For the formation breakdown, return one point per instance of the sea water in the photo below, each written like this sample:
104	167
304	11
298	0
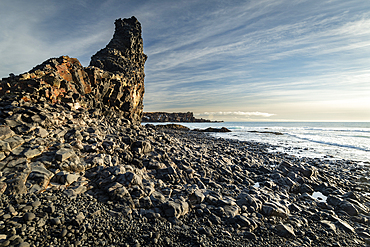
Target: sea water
332	140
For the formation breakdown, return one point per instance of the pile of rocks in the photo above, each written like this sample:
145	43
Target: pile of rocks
73	177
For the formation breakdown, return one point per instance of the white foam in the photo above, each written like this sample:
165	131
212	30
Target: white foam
319	196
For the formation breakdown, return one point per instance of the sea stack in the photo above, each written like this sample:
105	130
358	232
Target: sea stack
114	81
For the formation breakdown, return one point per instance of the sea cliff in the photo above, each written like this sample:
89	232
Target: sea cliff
173	117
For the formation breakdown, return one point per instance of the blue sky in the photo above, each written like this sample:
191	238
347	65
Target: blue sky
257	60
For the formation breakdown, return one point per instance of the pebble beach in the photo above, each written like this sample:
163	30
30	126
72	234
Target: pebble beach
76	177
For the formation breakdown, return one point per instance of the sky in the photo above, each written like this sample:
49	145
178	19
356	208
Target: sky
251	60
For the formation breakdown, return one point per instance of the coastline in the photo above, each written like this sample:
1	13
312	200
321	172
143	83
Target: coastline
325	140
146	187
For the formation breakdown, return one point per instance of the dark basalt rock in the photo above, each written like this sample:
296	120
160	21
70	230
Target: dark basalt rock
114	81
172	126
210	129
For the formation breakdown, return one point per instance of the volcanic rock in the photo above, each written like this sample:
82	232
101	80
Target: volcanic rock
114	81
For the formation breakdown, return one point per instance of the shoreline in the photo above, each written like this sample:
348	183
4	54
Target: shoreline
104	182
322	140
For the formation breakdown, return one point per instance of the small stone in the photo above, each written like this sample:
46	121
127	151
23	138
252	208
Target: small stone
284	230
205	231
29	216
4	146
32	152
6	216
79	219
242	221
41	222
196	197
50	209
2	156
14	142
275	209
36	204
55	221
63	233
41	132
70	178
3	186
334	200
27	208
24	244
349	208
231	211
345	226
250	235
5	132
329	225
64	154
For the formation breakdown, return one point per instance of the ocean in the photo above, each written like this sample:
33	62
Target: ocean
329	140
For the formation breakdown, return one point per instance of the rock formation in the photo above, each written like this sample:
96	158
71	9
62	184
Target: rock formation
172	117
114	81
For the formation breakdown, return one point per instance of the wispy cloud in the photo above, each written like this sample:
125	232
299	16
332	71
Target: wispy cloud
210	56
237	113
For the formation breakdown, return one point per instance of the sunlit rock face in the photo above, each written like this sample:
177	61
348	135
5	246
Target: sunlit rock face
124	59
114	81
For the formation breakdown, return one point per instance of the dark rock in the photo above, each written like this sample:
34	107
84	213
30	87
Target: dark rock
329	225
29	216
334	200
250	235
50	209
275	209
55	221
344	225
196	197
175	208
349	208
305	188
284	230
210	129
172	126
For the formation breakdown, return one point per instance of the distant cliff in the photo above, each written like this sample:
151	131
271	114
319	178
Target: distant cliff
172	117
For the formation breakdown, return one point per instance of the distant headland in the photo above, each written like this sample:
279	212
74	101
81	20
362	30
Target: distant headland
174	117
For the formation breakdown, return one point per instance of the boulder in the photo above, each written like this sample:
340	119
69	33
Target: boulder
175	208
196	197
275	209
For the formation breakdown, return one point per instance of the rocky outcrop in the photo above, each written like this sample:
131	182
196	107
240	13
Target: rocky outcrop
172	117
210	129
114	81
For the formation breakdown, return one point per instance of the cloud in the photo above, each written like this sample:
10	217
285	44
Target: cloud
208	55
237	113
